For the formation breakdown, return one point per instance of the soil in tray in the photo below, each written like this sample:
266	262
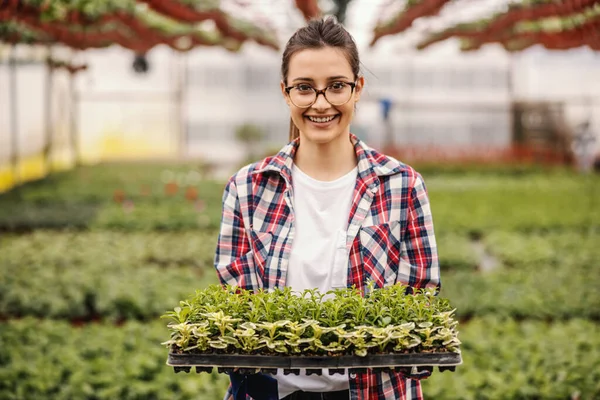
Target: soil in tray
214	352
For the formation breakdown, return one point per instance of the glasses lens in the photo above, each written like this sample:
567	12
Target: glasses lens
338	93
303	96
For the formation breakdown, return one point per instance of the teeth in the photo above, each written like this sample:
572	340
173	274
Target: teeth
315	119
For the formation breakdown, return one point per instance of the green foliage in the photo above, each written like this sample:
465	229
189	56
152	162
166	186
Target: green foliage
131	250
42	359
488	170
475	203
505	359
537	292
542	227
249	134
232	320
557	249
478	204
85	199
455	252
171	215
22	216
95	184
102	274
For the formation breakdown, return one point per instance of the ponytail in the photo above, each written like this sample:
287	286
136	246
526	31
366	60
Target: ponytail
294	131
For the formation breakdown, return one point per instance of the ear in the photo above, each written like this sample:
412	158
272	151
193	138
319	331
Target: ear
360	83
285	95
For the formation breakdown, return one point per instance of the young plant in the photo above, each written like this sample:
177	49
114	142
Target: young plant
248	338
293	335
404	337
273	333
342	321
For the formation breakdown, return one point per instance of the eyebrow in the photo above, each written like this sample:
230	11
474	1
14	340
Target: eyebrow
331	78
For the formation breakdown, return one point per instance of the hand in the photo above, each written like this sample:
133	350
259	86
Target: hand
414	373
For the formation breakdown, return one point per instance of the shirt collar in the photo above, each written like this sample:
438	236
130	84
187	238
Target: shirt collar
371	163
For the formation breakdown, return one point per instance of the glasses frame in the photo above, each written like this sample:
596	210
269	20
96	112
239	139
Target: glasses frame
321	91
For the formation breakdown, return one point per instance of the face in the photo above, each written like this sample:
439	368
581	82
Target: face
321	68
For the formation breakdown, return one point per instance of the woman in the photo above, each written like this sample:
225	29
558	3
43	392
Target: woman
327	211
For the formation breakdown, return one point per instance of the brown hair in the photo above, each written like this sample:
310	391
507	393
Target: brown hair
319	33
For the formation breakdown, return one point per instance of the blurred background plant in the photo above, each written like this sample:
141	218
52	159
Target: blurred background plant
252	137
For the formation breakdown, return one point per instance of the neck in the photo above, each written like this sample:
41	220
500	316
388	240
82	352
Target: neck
328	161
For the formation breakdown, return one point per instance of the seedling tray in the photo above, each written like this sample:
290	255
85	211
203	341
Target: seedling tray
247	364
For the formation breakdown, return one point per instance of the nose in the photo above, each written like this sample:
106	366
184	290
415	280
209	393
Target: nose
321	103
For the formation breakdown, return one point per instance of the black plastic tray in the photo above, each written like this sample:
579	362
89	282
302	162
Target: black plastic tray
415	362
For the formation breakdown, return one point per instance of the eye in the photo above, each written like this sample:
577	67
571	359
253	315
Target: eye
338	85
303	88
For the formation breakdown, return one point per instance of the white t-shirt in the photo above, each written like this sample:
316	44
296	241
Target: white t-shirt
319	258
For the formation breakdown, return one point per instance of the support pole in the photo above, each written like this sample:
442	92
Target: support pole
180	109
512	106
48	114
74	122
14	116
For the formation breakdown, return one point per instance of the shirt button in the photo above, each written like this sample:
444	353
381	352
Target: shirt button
353	375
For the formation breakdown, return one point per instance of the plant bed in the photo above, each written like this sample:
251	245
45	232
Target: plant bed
392	327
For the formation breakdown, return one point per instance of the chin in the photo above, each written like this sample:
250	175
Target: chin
322	137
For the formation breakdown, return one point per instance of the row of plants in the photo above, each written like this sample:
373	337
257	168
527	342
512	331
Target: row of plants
502	359
530	203
168	216
98	183
129	216
101	291
186	248
464	168
455	252
538	292
45	359
170	198
519	250
506	359
233	320
137	197
50	249
196	249
90	275
139	275
96	290
514	249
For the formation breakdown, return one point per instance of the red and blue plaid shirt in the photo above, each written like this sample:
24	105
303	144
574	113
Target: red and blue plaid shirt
390	238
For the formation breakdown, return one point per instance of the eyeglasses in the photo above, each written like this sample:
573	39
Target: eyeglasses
336	94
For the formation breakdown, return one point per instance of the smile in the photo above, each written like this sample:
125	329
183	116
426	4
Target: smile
321	119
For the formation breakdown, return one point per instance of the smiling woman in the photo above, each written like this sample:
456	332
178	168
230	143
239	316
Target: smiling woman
326	212
321	85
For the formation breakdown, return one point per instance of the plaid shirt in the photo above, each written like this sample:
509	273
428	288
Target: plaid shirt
390	238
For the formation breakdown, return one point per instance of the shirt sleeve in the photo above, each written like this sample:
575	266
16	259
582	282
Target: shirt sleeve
234	259
418	258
